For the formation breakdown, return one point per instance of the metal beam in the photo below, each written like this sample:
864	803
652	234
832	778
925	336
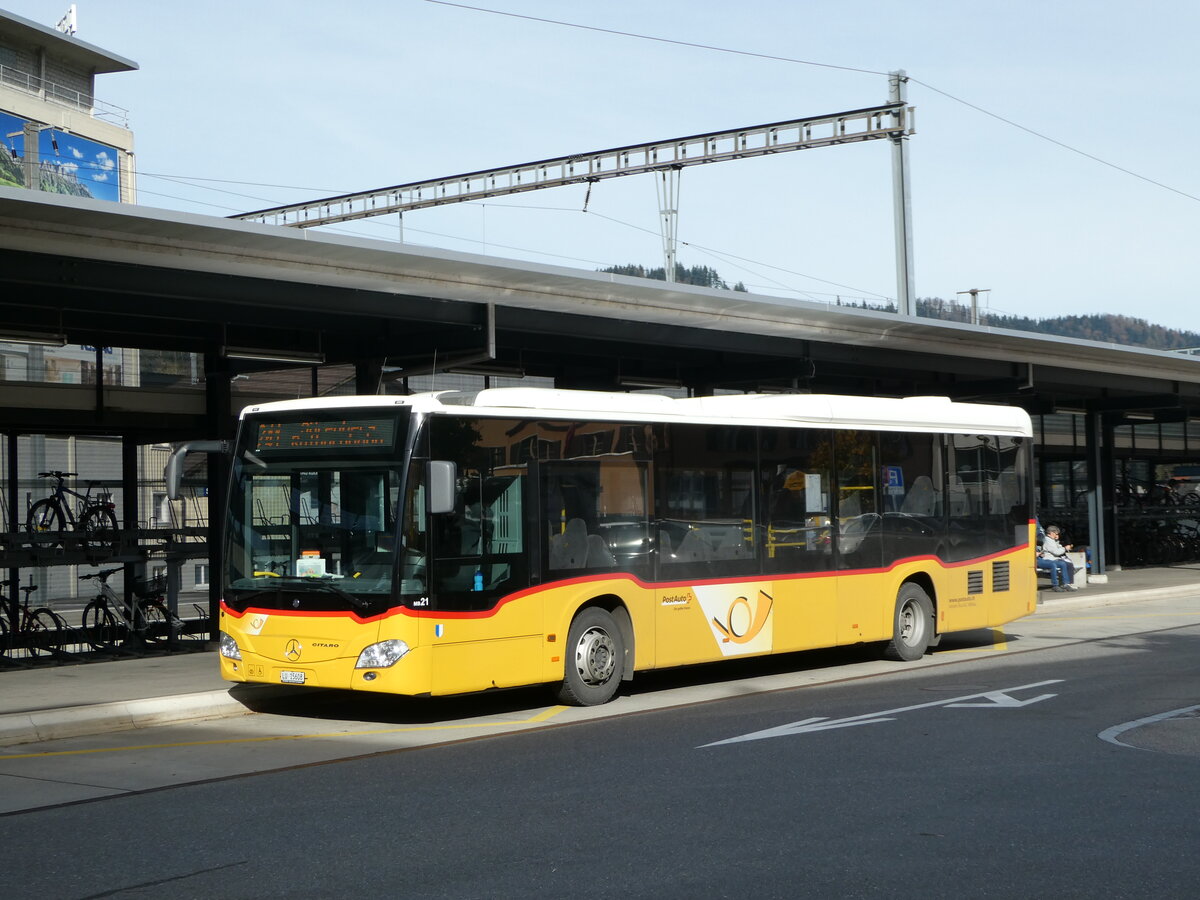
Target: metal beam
891	120
1146	402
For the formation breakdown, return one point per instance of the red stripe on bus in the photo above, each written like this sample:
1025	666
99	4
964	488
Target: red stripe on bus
609	577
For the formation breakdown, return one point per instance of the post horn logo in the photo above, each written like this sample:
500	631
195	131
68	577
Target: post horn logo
743	622
292	650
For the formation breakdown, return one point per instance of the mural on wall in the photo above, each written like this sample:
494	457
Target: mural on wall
67	163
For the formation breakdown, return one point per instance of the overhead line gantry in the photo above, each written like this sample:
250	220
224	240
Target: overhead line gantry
893	120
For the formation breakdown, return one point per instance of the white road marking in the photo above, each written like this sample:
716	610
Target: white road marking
1111	734
1000	699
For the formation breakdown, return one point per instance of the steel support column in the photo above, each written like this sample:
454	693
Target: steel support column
220	426
1098	450
129	503
368	376
902	203
14	493
667	185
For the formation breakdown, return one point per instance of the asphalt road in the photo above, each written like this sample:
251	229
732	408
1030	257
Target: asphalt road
1043	773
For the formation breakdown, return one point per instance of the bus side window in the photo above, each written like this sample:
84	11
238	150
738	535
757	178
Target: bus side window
594	513
479	546
706	504
797	480
859	525
911	477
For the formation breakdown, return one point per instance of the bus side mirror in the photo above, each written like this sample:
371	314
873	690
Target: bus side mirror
173	473
442	475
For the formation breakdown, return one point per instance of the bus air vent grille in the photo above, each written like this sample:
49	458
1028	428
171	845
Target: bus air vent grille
1000	575
975	582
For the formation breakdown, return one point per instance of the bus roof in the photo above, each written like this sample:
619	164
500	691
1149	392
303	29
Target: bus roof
928	414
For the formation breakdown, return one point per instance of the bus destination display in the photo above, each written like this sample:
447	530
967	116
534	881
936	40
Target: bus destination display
343	434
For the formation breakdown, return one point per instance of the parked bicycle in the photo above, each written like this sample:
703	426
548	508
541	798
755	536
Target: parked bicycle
110	619
94	517
40	630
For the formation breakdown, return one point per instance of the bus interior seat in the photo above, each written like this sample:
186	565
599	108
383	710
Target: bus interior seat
694	547
569	550
665	549
919	501
598	554
960	501
734	546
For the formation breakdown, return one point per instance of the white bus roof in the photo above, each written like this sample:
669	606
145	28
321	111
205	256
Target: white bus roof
928	414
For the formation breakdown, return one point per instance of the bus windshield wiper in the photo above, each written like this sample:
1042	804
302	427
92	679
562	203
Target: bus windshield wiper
245	596
282	584
356	602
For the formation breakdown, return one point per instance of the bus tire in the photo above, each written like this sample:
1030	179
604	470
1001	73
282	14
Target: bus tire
912	624
595	657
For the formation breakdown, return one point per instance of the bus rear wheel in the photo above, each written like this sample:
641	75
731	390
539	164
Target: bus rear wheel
912	629
595	659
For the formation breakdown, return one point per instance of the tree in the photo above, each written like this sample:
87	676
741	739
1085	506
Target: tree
702	276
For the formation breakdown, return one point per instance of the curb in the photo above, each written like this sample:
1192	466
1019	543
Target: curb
125	715
1117	599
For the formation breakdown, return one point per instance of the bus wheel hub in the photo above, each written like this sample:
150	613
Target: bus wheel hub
595	656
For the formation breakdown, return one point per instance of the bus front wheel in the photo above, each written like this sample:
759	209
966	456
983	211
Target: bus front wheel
595	658
912	625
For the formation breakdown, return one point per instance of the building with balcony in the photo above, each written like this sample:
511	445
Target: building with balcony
55	135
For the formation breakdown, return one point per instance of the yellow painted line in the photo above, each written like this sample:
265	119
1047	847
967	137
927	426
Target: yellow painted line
543	716
999	642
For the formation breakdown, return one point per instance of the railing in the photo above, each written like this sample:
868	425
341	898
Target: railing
55	93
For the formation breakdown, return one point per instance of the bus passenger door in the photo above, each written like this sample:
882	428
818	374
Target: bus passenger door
481	635
863	610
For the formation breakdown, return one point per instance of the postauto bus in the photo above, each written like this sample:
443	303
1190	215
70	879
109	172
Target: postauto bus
460	541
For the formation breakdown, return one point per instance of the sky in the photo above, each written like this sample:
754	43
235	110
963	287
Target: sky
1054	164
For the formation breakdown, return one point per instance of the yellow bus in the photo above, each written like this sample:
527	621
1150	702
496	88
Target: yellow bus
456	541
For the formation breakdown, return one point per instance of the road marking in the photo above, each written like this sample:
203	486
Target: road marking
543	716
1111	734
999	699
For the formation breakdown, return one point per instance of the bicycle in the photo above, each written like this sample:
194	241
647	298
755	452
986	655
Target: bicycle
109	618
93	517
40	630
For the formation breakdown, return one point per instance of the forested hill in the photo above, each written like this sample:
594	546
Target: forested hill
698	275
1123	330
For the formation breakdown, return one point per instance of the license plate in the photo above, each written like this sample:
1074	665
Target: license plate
291	677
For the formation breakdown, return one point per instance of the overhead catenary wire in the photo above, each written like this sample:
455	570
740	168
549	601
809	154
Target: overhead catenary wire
808	62
662	40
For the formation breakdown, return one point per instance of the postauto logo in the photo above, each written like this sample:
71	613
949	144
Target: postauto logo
739	616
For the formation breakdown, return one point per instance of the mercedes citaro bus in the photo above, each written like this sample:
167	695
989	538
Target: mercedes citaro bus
460	541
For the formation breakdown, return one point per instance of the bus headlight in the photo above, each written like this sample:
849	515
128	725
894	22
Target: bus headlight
229	647
381	655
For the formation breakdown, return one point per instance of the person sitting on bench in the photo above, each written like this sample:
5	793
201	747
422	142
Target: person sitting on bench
1053	557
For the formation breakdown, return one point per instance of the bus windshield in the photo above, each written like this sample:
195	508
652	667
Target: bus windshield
313	507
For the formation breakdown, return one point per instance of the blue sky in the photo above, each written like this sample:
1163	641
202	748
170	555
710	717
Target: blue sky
243	105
